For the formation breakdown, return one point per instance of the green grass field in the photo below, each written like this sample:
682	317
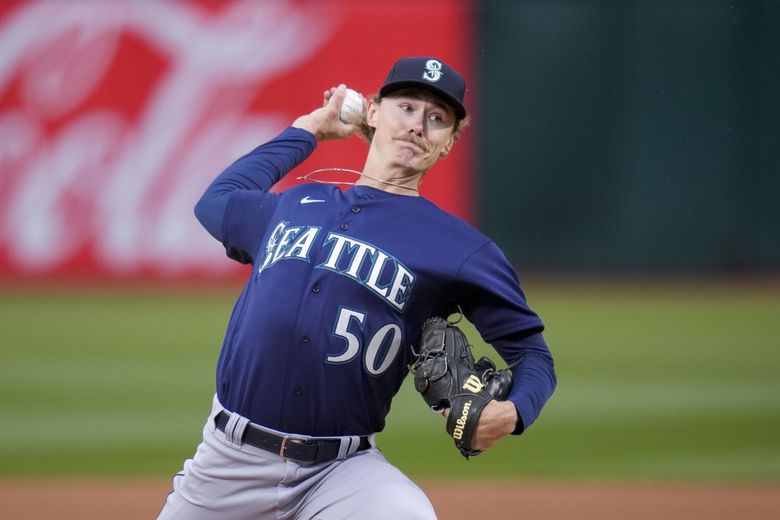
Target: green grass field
674	381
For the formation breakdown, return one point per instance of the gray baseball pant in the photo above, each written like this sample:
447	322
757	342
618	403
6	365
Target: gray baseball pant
230	480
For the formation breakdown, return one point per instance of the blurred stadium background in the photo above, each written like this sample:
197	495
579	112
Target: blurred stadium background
624	154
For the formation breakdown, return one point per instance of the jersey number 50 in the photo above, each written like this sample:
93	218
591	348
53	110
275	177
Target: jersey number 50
376	359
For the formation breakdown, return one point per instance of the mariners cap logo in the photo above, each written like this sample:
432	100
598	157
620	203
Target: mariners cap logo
432	70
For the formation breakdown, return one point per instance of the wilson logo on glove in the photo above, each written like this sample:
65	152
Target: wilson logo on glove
457	434
473	384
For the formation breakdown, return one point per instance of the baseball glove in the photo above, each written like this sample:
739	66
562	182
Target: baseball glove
447	376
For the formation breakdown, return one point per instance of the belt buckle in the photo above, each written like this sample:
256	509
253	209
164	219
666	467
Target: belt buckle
283	447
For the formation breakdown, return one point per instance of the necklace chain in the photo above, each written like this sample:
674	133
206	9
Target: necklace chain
308	177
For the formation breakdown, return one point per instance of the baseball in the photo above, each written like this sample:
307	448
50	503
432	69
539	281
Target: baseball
352	108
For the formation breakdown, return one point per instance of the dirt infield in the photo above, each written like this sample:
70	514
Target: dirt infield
124	500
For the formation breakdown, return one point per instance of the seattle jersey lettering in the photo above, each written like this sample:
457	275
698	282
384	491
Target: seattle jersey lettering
382	274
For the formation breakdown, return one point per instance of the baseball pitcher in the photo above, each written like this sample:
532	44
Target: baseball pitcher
348	290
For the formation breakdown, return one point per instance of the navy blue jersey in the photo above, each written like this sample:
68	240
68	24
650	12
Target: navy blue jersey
322	335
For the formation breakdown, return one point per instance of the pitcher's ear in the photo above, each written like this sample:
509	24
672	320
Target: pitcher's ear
371	113
448	147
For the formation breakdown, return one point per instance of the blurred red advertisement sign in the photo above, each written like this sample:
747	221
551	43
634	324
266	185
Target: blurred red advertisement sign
115	116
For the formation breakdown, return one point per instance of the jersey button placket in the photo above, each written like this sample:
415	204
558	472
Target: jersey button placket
354	210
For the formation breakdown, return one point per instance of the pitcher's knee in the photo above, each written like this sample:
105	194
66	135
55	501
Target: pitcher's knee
396	502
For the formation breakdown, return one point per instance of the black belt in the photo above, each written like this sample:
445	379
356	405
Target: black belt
290	446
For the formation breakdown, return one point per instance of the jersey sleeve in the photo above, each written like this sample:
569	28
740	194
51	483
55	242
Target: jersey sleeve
236	207
490	296
488	291
533	374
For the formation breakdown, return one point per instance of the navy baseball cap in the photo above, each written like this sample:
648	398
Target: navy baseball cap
430	74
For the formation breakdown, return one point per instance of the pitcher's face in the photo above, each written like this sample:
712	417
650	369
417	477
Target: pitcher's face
413	129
